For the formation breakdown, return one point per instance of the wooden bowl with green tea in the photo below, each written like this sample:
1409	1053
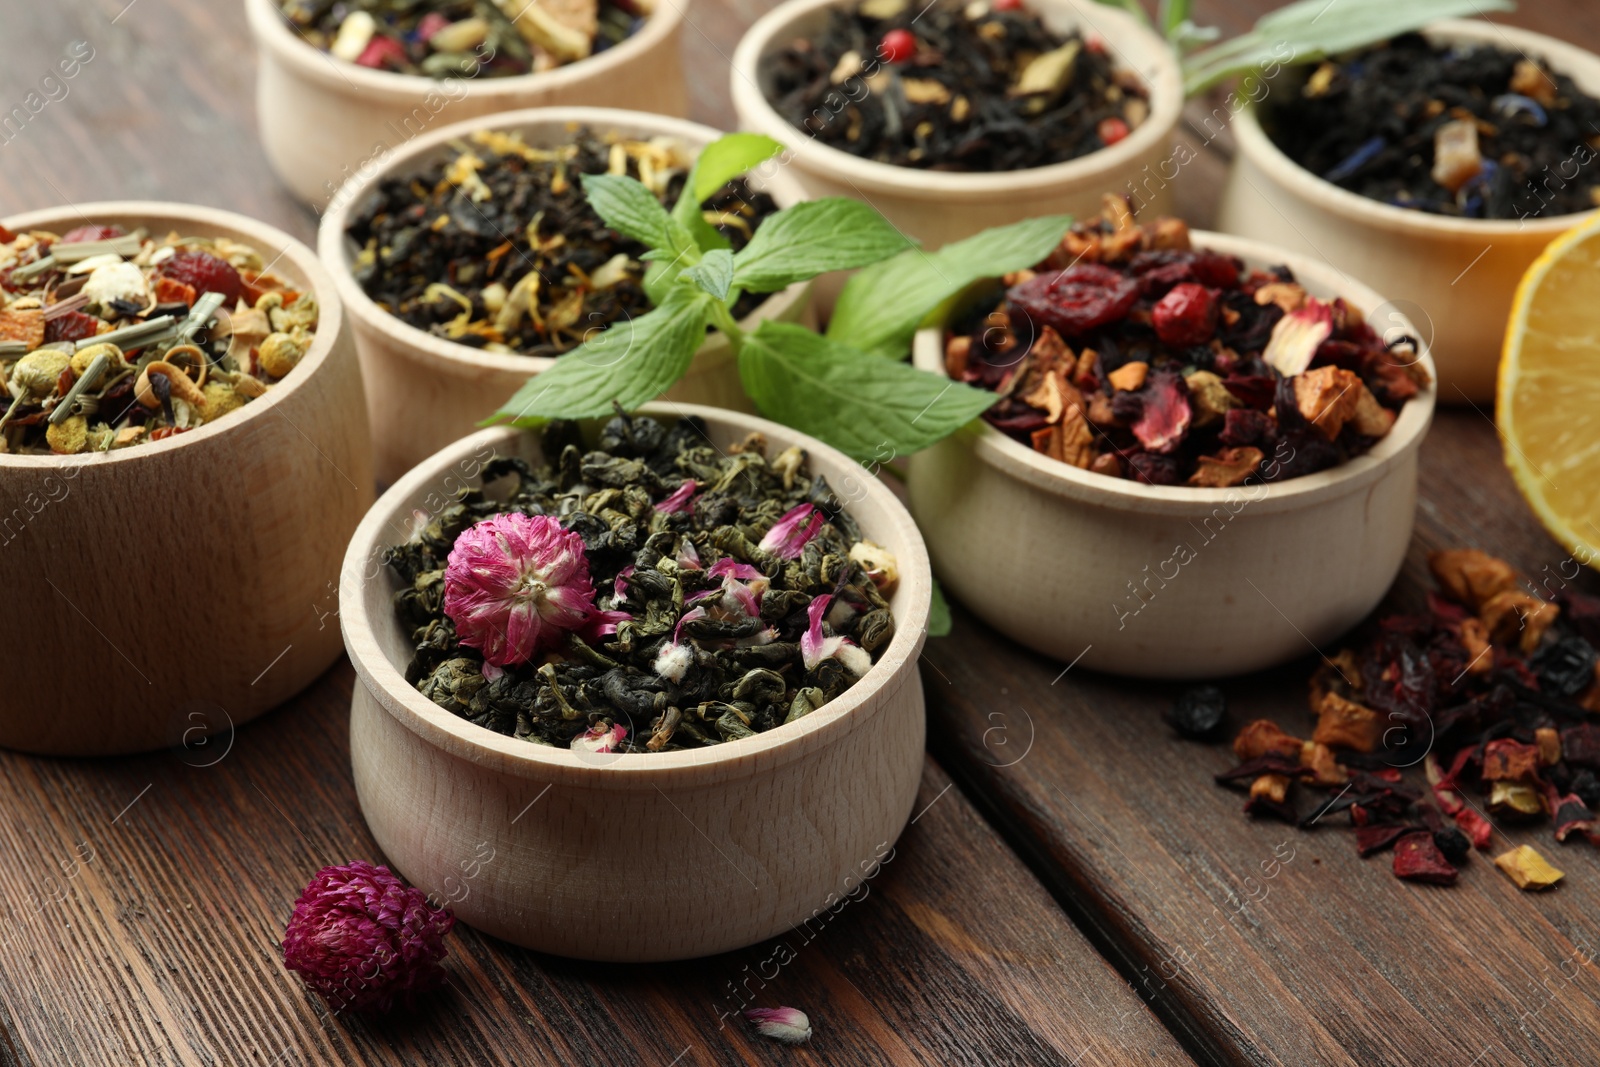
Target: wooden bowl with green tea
175	582
590	845
427	388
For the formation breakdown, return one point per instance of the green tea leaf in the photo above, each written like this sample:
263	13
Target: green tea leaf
882	306
626	206
1307	30
632	362
812	238
939	622
865	407
714	273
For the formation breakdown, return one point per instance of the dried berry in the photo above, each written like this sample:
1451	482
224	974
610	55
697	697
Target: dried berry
1453	843
206	272
1198	712
1566	667
1112	130
1187	315
897	46
1076	300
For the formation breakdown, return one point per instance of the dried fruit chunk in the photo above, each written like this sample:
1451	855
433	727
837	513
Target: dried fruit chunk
1327	398
1528	869
1509	760
1418	859
25	324
1263	736
1187	315
1077	299
1343	723
1296	338
1469	576
1229	467
1515	615
206	272
1456	160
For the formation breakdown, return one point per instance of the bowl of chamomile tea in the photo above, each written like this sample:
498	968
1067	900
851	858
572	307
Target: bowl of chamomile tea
639	688
183	456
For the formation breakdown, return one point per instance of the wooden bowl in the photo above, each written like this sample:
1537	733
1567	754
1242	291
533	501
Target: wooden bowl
162	592
1454	278
1168	581
648	856
423	391
324	121
937	207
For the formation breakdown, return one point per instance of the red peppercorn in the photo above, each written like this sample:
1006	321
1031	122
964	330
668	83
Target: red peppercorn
1112	130
1094	44
897	46
1007	5
1187	315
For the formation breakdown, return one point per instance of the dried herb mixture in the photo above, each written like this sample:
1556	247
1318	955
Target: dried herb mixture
1474	132
1129	353
982	86
1492	689
465	38
652	593
498	248
110	339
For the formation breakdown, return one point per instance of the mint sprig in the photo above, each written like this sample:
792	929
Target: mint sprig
838	388
1301	32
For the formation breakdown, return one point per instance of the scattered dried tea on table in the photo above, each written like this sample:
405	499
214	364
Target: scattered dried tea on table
1491	690
1472	131
1198	712
954	86
465	38
110	339
1129	353
497	247
653	593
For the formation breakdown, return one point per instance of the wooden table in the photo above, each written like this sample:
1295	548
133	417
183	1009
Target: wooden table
1074	889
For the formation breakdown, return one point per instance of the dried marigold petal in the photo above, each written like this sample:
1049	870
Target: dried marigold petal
1527	868
1263	736
22	324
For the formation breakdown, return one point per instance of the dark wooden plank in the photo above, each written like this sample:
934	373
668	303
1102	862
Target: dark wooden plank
1279	946
146	897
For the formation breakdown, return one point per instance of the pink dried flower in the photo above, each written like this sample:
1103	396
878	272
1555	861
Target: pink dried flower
788	1025
682	498
1297	336
619	588
688	558
603	624
789	534
674	657
601	738
514	584
737	597
363	941
814	648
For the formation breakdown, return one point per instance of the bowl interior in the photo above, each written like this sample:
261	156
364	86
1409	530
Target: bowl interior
281	254
380	648
1320	280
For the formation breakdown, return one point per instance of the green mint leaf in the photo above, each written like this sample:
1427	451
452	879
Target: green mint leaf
863	406
939	622
882	306
626	206
632	362
714	273
812	238
719	163
1307	30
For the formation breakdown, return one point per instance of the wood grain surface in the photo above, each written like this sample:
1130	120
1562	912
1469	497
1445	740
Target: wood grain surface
142	900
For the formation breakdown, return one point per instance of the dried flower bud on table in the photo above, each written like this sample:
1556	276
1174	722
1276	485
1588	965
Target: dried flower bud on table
650	594
110	339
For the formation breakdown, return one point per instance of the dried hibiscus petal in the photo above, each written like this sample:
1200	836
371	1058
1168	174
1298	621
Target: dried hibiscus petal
1077	299
1371	840
1166	414
70	326
1418	859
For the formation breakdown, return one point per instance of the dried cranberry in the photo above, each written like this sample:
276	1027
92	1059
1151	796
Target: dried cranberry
1127	407
1216	270
1166	417
1246	426
80	234
1186	316
897	46
72	326
1077	299
1157	281
206	272
1152	469
1111	130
